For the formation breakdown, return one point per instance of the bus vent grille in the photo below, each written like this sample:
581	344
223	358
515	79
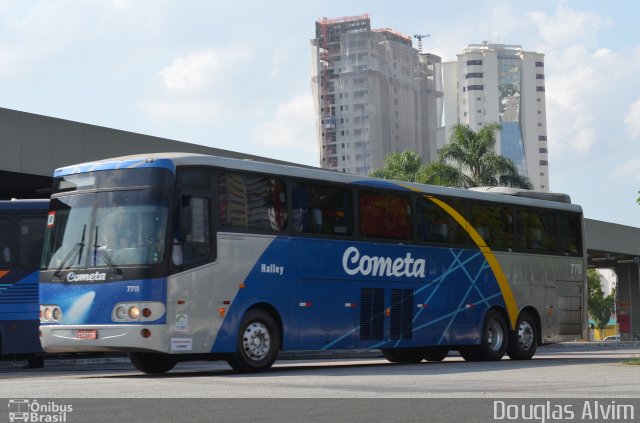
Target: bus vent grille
371	314
402	314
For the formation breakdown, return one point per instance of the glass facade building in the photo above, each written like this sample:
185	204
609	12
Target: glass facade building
509	88
498	83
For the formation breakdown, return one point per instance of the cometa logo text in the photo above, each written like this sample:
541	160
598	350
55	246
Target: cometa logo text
86	277
353	263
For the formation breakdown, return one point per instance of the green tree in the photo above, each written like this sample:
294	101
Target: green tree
600	306
405	166
470	160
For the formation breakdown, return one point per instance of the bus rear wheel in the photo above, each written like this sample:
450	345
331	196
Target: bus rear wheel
524	340
152	363
258	343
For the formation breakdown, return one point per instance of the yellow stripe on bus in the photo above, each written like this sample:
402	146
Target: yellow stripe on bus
3	273
505	288
503	283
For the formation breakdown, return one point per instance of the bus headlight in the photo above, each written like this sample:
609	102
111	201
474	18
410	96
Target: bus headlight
146	311
50	313
121	312
134	312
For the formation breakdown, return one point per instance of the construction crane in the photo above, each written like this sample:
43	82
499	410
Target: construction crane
419	37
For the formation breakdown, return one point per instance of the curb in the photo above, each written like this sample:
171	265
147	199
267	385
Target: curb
595	344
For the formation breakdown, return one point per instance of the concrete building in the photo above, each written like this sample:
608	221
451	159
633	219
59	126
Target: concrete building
503	84
374	94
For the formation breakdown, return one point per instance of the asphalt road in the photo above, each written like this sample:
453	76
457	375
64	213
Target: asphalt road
366	389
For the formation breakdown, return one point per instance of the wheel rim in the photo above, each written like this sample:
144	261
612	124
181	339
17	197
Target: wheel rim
256	341
495	335
525	335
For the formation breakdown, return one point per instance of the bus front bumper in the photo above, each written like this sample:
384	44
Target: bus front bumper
100	338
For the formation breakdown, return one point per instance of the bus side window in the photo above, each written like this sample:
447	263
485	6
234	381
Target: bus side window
570	235
30	239
435	225
248	201
537	230
385	215
322	209
5	242
192	239
494	224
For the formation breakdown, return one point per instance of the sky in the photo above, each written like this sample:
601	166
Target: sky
237	75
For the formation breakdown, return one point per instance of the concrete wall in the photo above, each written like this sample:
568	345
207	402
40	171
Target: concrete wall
37	145
611	237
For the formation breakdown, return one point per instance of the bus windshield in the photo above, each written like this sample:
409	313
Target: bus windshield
106	229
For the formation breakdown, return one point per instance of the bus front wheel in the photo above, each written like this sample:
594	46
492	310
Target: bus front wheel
258	343
524	340
152	363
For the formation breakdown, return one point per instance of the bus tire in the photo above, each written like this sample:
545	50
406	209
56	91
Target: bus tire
436	353
524	340
258	343
152	363
494	338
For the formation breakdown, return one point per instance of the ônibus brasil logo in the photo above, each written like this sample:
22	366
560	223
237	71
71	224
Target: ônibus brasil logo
353	263
24	410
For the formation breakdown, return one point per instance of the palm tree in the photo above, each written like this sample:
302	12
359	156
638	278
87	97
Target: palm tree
470	160
405	166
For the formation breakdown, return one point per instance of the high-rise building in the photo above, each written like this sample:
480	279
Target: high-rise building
374	94
503	84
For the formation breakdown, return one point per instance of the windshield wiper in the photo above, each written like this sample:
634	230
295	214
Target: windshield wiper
79	247
105	256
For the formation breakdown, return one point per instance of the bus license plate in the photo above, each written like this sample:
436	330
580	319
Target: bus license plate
87	334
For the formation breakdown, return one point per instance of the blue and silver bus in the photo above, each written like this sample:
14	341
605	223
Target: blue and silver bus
22	226
174	257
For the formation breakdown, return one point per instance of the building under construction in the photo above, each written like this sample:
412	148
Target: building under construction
374	94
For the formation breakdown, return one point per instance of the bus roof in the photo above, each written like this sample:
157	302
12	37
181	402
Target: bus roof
172	160
24	205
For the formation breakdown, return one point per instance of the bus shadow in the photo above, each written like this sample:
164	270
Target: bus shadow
451	365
